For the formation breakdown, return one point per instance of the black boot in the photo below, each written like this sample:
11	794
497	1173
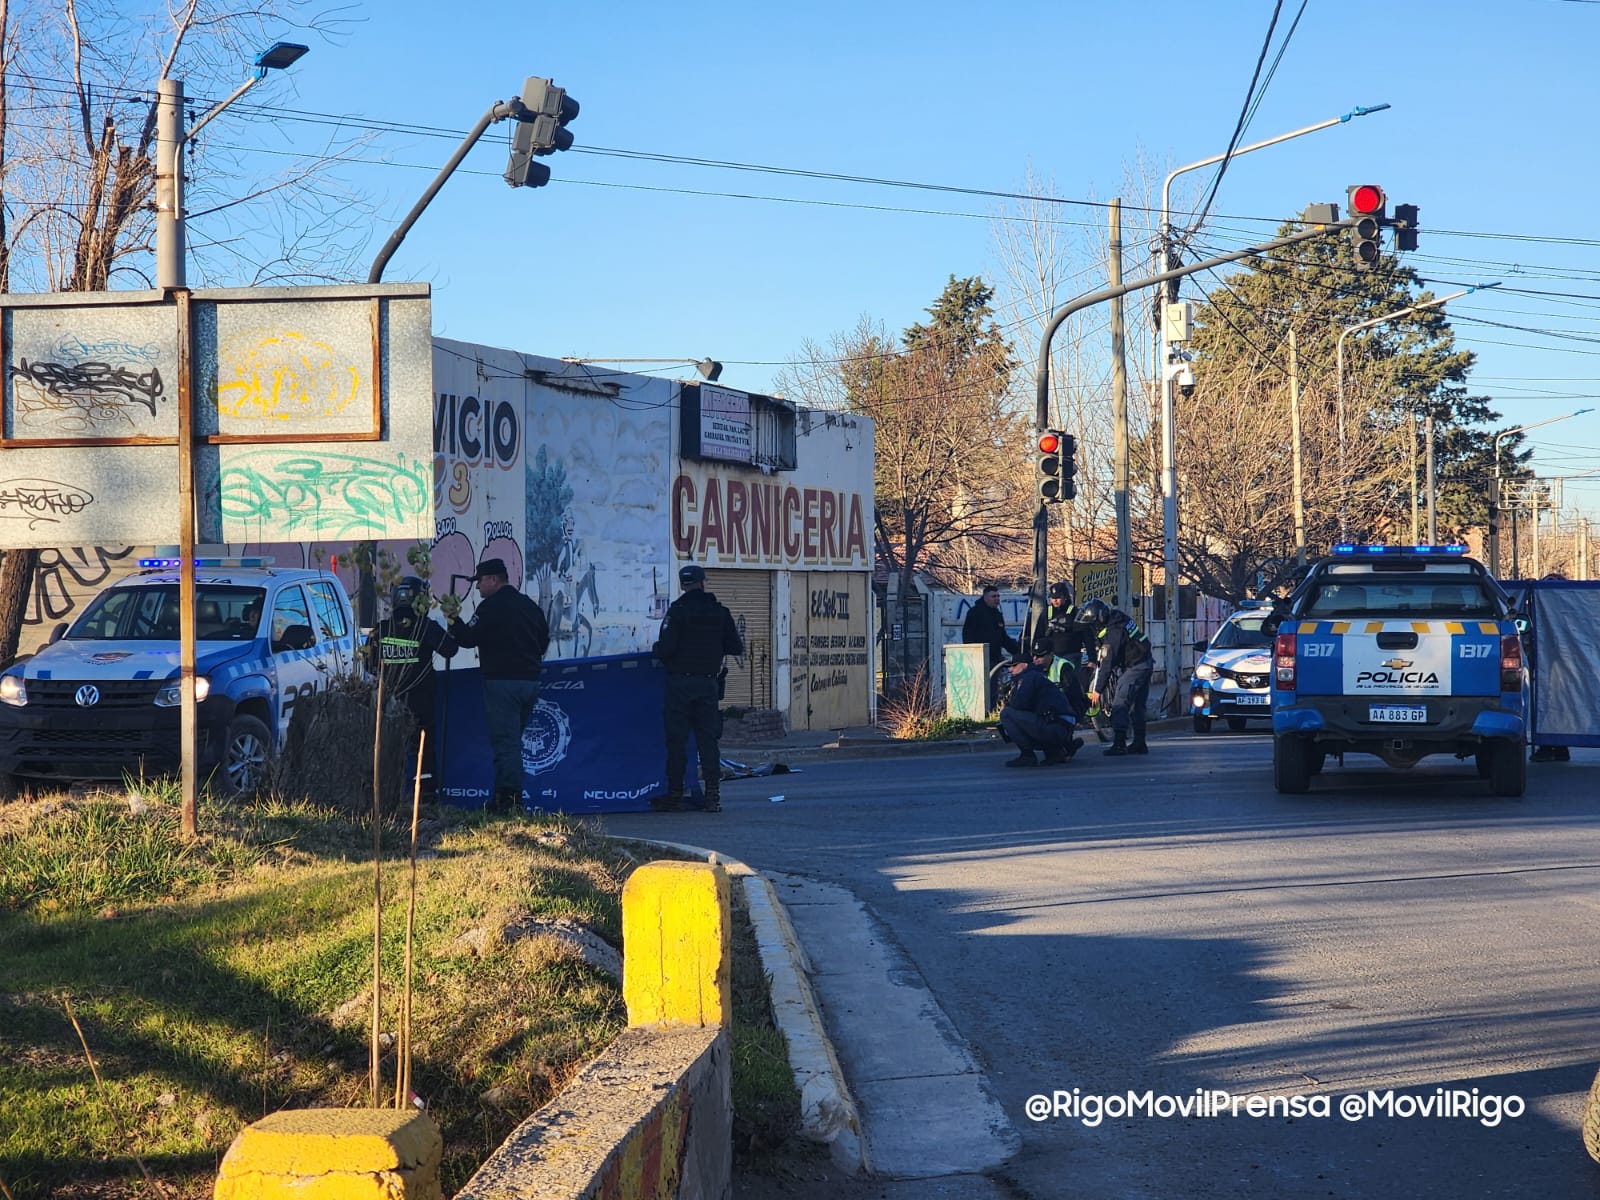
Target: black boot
668	801
1024	758
1119	745
713	798
505	800
1137	746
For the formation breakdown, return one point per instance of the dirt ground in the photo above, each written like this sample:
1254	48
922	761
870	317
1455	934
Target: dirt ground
799	1170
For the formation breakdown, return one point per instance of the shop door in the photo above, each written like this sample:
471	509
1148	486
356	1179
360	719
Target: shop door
748	596
829	624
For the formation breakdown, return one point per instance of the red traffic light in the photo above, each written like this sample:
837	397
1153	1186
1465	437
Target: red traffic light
1049	443
1366	199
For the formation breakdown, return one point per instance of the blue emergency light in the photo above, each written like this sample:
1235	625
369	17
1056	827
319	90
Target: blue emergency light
159	564
1352	548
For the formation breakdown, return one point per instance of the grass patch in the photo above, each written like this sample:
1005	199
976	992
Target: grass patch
220	980
766	1104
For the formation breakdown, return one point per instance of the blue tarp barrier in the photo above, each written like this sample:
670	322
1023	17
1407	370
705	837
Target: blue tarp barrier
595	743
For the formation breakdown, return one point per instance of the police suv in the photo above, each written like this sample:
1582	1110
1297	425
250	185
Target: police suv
1400	652
102	698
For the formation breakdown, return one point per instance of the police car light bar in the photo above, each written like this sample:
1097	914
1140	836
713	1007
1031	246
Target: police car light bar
1352	548
157	564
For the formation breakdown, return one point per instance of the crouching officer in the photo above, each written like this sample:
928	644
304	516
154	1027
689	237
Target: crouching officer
1126	664
1037	716
1068	643
695	635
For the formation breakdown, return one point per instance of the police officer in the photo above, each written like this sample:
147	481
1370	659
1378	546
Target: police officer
511	634
406	640
1124	653
695	635
1037	716
1067	644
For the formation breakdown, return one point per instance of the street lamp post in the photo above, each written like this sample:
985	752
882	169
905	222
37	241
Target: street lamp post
1339	376
172	252
709	368
171	236
1494	498
1169	454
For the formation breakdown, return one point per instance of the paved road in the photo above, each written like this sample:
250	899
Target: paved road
1170	924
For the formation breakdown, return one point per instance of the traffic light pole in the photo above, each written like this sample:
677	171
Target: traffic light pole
1041	525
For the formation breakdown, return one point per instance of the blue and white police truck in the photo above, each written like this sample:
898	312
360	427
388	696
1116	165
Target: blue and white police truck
1399	652
101	699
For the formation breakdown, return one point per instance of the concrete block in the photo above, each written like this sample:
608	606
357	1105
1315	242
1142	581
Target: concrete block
334	1154
677	951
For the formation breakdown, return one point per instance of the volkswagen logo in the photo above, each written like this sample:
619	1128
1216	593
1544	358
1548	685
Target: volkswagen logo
87	696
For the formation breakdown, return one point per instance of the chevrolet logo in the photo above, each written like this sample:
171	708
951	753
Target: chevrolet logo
1398	664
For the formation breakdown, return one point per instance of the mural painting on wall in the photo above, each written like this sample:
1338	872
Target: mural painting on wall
65	580
562	577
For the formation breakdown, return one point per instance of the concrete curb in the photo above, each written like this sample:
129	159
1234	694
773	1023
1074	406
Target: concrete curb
827	1110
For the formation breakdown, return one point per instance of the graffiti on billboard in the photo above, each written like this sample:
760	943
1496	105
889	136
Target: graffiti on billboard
283	375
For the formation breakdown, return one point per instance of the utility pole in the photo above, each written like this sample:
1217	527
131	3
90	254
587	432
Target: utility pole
1411	430
1535	499
1119	419
1427	434
1294	442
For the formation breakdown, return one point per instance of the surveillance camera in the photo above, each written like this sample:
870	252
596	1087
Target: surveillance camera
1185	379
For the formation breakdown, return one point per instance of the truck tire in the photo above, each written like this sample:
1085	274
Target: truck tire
1237	724
1202	724
1591	1121
245	758
1508	769
1291	765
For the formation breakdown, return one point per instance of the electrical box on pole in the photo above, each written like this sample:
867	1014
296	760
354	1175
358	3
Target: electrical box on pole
1179	321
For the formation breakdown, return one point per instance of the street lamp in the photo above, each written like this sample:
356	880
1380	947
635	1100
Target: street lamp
1494	498
710	369
1339	375
172	243
1169	440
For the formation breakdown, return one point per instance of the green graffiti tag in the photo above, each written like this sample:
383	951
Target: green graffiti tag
968	693
326	495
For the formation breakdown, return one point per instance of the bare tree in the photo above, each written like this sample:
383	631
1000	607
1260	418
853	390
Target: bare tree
77	169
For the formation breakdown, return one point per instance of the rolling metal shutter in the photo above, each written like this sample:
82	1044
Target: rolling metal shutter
748	595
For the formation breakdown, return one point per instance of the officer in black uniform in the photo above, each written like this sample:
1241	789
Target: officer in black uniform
1124	653
1068	645
695	635
1037	716
407	639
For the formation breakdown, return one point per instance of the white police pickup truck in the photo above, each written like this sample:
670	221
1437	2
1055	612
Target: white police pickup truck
102	698
1400	652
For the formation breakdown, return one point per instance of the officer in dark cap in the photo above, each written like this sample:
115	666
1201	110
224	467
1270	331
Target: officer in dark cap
1037	716
511	635
695	635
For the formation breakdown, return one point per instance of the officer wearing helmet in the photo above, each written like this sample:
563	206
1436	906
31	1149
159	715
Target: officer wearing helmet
1126	664
407	639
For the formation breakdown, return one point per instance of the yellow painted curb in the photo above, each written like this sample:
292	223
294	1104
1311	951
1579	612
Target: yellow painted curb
676	942
323	1153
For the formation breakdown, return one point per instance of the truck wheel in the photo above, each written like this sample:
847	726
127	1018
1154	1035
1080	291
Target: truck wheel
1591	1121
1237	724
1291	765
244	761
1508	770
1202	724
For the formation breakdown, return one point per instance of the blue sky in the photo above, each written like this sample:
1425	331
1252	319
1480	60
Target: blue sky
620	257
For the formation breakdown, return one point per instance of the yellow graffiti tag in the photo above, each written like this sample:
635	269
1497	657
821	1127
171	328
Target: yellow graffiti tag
284	377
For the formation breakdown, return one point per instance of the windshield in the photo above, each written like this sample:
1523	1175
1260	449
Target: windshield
1241	633
1386	595
150	614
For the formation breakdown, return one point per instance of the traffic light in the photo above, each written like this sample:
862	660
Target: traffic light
1366	203
1054	467
1405	226
542	115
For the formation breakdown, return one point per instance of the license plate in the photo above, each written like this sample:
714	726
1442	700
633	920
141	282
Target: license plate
1397	714
1249	698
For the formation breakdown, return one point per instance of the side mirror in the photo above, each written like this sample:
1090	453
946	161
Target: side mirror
1200	647
56	634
